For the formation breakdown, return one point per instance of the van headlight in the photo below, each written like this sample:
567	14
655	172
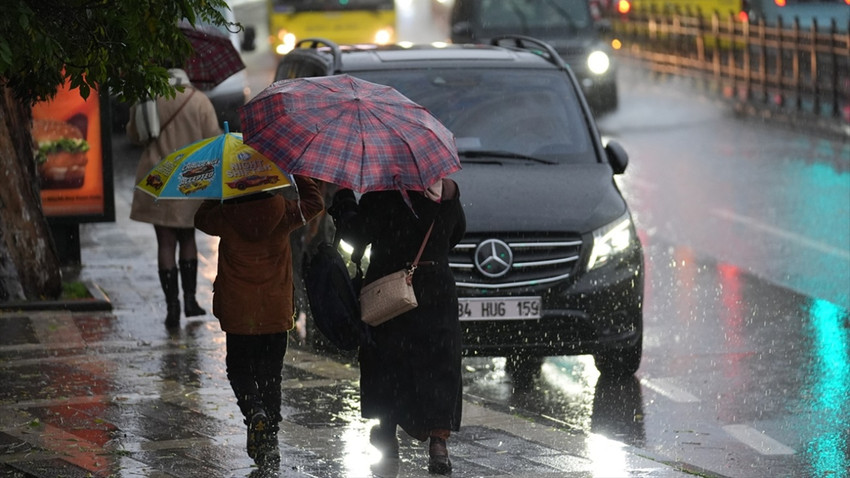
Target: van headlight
347	249
598	62
610	240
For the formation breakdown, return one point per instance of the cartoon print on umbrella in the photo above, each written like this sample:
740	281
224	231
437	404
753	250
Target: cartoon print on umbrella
221	167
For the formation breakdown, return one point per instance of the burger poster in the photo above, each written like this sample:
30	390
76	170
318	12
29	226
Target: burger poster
68	149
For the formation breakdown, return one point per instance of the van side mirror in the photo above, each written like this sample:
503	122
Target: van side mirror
618	158
249	39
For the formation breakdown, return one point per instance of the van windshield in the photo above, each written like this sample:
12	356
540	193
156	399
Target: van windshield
532	17
529	114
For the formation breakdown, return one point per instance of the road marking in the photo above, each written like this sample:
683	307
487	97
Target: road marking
664	387
757	440
747	221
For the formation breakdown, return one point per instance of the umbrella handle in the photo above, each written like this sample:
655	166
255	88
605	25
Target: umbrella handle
298	194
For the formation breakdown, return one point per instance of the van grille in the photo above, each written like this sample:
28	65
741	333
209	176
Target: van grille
538	259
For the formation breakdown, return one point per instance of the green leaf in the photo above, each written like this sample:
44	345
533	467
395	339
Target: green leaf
117	45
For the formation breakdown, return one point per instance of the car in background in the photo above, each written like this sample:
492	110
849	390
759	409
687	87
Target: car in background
235	91
568	25
550	263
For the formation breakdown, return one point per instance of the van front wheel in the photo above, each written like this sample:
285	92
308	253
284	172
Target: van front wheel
620	362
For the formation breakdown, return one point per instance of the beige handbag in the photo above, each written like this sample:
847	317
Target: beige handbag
391	295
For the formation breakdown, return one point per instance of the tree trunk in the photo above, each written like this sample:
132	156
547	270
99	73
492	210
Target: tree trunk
29	263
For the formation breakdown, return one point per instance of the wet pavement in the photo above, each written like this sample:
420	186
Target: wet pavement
112	393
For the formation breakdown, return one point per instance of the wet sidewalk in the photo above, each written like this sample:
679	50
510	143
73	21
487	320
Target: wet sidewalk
114	394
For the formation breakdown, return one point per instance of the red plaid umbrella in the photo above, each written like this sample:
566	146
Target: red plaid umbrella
349	132
215	59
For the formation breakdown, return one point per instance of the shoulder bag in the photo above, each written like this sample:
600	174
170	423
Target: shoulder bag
391	295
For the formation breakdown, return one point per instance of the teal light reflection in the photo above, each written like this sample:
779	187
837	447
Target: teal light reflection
830	451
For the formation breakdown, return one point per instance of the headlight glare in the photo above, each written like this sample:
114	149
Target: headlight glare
609	241
598	62
287	42
383	36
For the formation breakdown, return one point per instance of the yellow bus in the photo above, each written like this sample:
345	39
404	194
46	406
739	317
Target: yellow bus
341	21
706	7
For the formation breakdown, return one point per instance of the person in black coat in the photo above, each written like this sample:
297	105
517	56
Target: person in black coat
411	377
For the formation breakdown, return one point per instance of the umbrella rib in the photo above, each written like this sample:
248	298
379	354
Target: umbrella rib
400	132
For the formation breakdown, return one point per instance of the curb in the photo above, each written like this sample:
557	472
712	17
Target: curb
97	303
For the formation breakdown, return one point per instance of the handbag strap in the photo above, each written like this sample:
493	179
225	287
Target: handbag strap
176	112
168	121
421	248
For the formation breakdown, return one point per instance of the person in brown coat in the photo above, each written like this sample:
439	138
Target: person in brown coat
184	119
253	299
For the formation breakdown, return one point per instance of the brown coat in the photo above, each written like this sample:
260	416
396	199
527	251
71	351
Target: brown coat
195	121
252	292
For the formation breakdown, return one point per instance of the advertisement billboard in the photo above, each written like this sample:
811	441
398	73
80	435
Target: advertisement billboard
72	146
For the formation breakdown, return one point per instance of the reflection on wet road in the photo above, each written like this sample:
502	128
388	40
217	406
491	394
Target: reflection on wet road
740	377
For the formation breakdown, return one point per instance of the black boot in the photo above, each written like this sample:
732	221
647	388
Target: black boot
168	280
258	430
438	461
189	278
383	437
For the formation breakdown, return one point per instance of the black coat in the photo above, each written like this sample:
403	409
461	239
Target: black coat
412	376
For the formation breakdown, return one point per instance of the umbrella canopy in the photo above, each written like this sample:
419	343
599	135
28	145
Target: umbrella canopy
215	59
221	167
350	132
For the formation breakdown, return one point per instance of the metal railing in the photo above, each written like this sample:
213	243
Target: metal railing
791	69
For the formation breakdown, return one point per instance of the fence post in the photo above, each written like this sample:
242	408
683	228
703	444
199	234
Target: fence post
833	53
731	55
700	40
780	67
763	60
748	70
813	37
795	65
715	61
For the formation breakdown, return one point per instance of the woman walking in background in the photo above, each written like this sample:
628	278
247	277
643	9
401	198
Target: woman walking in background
184	119
412	376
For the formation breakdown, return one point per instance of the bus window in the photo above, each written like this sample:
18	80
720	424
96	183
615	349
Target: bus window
705	7
341	21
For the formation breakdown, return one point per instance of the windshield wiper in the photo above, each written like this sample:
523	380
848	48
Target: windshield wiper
480	153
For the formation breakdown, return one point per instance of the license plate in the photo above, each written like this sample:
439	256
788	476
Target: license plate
498	308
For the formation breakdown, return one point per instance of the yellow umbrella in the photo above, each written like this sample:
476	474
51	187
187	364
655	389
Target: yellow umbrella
221	167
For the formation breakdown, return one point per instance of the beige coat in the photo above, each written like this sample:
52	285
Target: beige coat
195	121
